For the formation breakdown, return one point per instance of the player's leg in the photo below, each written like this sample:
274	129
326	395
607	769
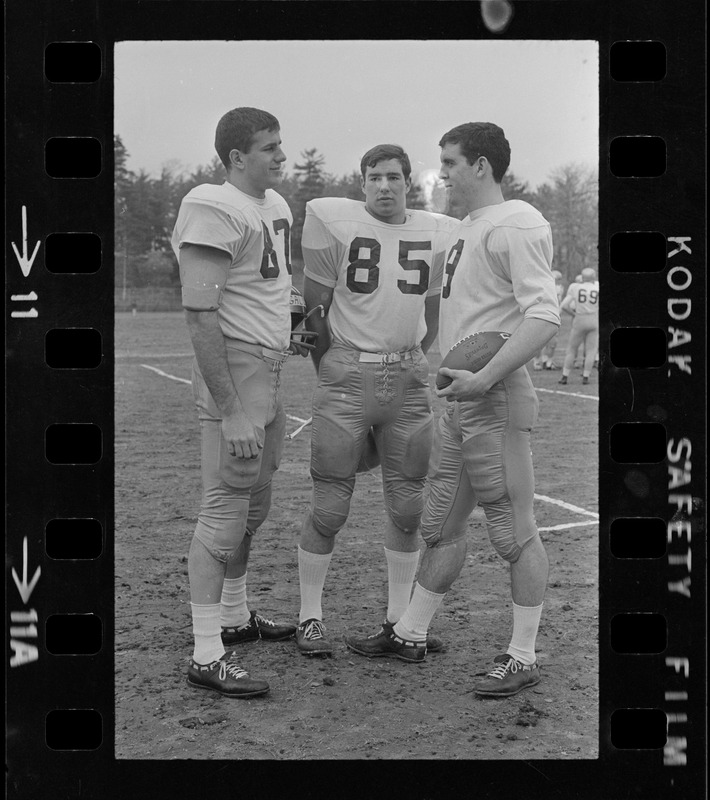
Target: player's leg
338	435
576	339
227	489
497	430
239	624
216	541
591	347
404	445
444	526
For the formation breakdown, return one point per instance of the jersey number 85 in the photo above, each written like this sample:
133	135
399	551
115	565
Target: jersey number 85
363	274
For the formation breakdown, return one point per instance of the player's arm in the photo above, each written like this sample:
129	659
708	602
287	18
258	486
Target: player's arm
431	317
528	339
568	304
203	272
317	294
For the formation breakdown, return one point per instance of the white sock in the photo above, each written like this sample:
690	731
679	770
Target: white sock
401	569
206	629
234	611
312	569
526	620
415	621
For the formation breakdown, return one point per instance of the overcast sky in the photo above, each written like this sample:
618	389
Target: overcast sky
344	97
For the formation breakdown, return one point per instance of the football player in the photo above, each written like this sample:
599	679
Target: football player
376	268
582	302
545	358
232	244
498	277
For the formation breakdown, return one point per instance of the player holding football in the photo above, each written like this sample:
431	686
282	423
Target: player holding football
232	243
498	278
376	268
582	301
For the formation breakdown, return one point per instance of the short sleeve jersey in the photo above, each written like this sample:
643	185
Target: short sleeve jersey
381	274
255	233
497	273
586	298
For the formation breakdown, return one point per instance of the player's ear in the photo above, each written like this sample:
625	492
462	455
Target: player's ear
362	184
235	158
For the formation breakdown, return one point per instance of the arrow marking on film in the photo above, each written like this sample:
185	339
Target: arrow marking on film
25	262
25	588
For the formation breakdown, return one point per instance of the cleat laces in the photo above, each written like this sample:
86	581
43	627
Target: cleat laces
499	672
263	621
314	630
231	669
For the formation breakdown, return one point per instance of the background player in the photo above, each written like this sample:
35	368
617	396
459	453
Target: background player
232	242
376	269
582	301
545	359
498	278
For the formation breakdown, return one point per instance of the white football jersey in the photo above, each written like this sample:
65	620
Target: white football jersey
256	234
381	273
498	272
585	296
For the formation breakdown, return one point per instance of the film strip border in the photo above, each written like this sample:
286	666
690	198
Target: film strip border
59	543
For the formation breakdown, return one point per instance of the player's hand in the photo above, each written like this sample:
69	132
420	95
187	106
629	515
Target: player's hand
242	437
464	385
302	342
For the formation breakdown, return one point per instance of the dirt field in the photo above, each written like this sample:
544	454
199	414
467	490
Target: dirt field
345	707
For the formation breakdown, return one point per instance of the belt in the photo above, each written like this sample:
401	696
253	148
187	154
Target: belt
257	350
386	358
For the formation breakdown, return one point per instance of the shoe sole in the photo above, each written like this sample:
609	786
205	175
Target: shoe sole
227	643
506	694
385	655
255	693
315	652
282	638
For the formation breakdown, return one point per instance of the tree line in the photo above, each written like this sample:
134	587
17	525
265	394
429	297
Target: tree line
145	209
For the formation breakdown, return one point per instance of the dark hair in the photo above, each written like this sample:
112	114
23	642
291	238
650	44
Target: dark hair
384	152
236	130
481	139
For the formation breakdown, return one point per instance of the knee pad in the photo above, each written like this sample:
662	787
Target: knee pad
222	522
501	530
330	505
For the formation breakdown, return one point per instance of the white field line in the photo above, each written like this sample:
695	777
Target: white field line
189	383
568	506
569	525
568	394
167	375
153	355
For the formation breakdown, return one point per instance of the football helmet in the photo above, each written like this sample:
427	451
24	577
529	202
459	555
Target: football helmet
302	340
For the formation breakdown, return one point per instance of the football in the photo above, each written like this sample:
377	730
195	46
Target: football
472	353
